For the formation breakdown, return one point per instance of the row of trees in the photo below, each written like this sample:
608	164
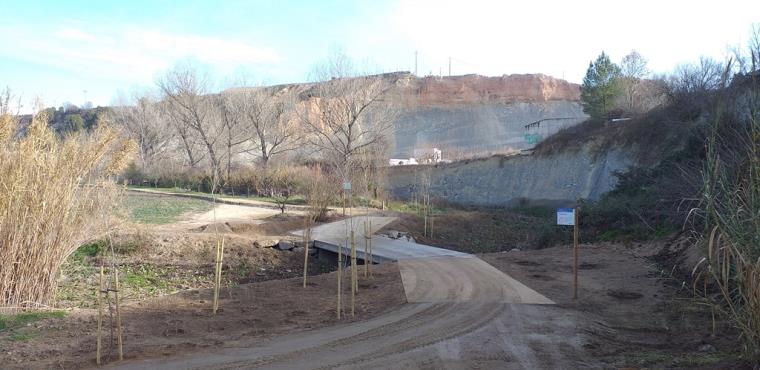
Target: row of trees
626	87
342	119
629	87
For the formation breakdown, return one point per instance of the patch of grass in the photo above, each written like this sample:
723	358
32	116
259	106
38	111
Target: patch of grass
535	211
609	235
89	250
295	199
10	322
647	358
145	277
156	209
704	359
680	360
408	207
486	230
21	337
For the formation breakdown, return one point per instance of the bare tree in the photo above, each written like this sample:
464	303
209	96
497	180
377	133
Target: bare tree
186	139
633	69
703	76
194	113
348	113
141	120
273	125
235	133
7	100
753	46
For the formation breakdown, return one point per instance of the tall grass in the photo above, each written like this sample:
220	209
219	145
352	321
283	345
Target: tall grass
53	197
731	203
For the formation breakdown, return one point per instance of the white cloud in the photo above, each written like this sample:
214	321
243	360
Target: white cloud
128	53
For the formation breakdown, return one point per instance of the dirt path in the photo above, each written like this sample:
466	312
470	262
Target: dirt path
460	317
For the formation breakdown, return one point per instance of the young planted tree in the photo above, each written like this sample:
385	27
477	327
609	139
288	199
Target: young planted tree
56	196
284	183
348	113
601	87
319	189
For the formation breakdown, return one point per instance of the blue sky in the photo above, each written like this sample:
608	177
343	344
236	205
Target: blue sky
56	50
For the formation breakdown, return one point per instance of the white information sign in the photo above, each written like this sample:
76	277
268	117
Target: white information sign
566	216
347	185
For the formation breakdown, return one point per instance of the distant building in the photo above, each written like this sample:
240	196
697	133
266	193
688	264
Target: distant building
402	162
421	156
428	155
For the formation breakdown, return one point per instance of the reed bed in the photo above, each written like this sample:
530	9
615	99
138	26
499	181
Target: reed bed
729	275
54	195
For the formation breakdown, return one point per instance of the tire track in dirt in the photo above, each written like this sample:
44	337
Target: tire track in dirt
450	297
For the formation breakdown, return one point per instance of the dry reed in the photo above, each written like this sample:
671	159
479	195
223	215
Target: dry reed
731	206
53	197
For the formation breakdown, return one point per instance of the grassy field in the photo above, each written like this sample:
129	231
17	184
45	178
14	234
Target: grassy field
153	209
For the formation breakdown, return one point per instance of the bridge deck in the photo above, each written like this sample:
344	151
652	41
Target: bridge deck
332	236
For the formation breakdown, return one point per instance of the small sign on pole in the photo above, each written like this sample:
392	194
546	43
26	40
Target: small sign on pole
569	217
347	185
566	216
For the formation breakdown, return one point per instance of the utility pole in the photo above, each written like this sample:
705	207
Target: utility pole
449	66
415	63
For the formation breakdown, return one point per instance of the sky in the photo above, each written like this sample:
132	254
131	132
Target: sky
93	50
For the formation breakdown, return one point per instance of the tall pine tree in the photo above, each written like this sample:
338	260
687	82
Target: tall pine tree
601	87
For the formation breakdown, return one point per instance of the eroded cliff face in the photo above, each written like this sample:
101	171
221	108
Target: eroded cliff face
555	180
481	90
473	115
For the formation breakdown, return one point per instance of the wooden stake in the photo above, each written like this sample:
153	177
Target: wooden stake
340	268
575	254
118	315
424	231
369	266
306	238
366	249
432	219
218	276
354	275
100	318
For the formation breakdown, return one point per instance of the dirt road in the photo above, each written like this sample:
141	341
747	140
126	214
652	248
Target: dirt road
461	315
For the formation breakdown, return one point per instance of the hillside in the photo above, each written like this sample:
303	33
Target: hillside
472	114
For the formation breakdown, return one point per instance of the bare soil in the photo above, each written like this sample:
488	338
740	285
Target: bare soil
630	313
183	322
166	279
633	313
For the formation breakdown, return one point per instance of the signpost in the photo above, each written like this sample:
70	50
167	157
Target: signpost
569	217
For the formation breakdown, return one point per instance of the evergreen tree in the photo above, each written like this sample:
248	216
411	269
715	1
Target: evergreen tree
601	87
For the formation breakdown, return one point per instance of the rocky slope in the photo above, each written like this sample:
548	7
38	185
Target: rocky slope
556	180
474	115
